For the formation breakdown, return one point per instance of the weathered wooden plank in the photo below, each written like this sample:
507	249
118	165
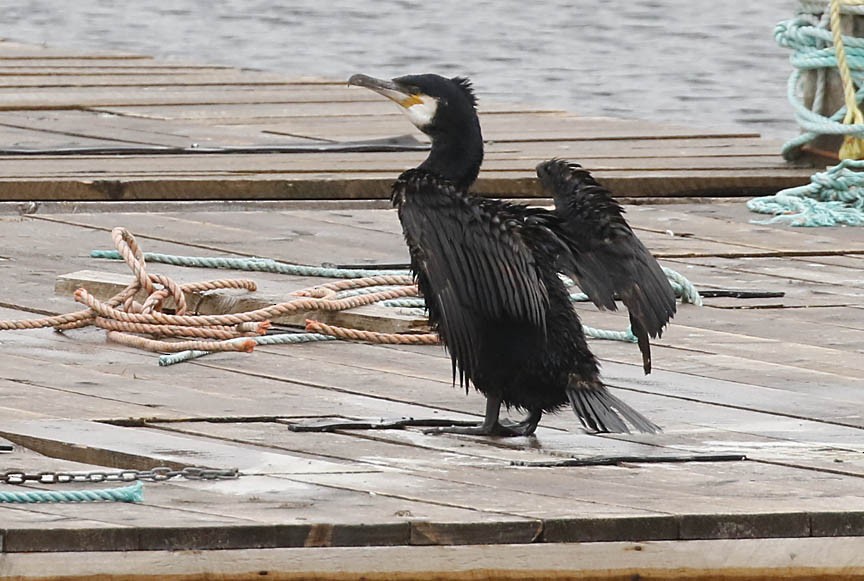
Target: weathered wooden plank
106	382
803	270
321	162
732	221
327	185
259	112
65	97
500	128
215	78
23	137
770	400
745	490
106	445
743	370
72	67
62	526
820	328
294	514
93	64
303	240
76	126
793	559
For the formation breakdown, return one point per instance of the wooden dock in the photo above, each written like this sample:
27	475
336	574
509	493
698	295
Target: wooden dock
774	380
55	101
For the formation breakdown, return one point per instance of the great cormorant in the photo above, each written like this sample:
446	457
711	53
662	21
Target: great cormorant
489	269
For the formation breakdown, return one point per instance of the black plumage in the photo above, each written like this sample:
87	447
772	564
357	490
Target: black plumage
610	260
489	270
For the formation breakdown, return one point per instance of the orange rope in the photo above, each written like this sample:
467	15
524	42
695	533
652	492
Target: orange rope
245	345
214	332
372	336
300	305
122	315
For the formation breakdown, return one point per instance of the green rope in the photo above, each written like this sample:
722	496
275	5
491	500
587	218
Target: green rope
684	289
607	335
131	493
369	290
835	196
813	50
279	339
407	303
253	264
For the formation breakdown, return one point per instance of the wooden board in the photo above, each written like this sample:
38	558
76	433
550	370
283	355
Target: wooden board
793	559
75	100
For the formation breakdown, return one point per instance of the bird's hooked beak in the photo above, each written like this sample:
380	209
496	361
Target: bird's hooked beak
389	89
420	108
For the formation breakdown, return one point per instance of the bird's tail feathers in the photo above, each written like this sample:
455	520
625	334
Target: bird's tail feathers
600	411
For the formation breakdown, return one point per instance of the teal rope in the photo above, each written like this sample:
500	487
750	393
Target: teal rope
407	303
366	291
626	336
132	493
253	264
813	49
683	288
279	339
833	197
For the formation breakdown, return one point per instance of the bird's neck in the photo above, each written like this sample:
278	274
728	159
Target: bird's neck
456	158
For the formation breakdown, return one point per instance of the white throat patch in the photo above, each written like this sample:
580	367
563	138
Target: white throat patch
422	113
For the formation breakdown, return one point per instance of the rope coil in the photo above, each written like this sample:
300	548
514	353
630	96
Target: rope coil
184	336
125	319
836	196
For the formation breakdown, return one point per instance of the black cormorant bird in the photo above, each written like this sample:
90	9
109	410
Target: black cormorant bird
489	269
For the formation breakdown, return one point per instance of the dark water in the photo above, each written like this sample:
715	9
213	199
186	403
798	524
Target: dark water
700	62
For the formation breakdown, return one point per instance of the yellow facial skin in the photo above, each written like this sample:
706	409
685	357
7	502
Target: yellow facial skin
410	101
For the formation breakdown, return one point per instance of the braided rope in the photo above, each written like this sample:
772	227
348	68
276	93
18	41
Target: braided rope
626	335
214	332
833	197
280	339
372	336
853	147
253	264
383	280
683	287
299	305
245	345
131	493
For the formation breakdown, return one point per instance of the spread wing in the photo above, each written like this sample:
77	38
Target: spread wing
472	264
608	260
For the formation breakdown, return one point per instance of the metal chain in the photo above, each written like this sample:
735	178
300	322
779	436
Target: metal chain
158	474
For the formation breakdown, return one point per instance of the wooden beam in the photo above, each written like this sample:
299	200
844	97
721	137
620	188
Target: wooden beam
765	559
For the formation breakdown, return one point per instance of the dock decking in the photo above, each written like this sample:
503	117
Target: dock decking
777	380
56	100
